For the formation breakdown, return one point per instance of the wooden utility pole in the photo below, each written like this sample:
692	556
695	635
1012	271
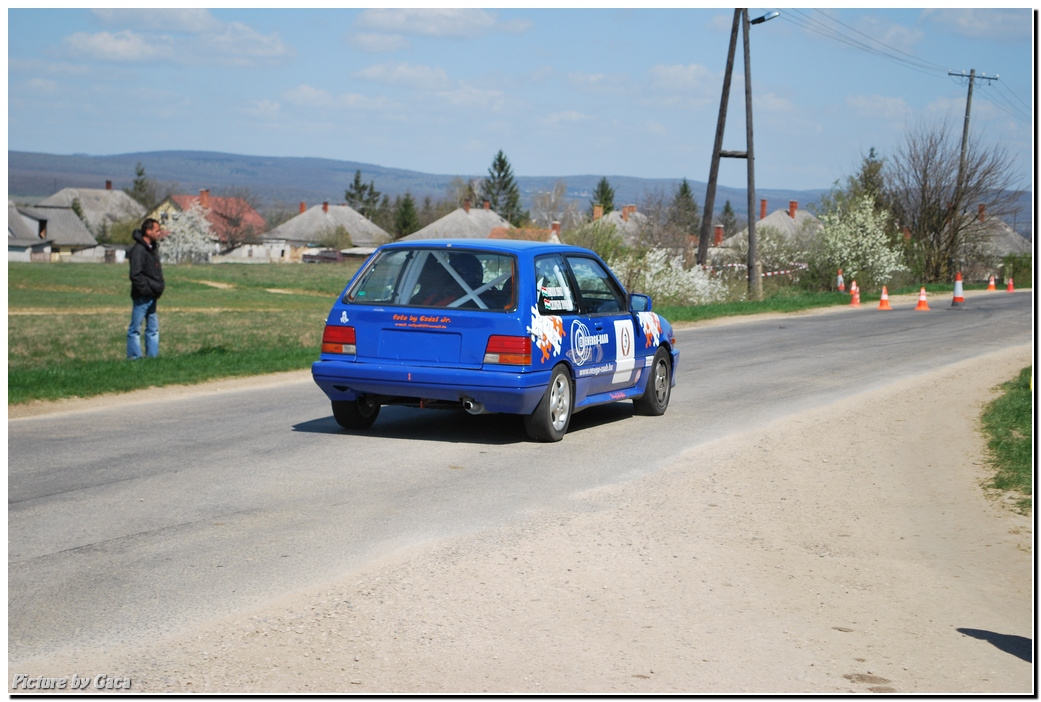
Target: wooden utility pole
710	191
755	282
959	188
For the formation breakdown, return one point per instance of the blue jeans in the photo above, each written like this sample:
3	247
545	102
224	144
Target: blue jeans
144	311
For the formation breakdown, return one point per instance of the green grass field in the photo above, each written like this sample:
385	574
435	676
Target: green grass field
67	325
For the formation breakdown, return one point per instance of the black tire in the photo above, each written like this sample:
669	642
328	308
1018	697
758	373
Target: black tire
550	420
655	397
355	414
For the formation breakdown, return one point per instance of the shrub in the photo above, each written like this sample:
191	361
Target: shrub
665	279
856	240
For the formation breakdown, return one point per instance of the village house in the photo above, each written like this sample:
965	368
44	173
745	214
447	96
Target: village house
66	233
233	221
100	207
306	232
465	222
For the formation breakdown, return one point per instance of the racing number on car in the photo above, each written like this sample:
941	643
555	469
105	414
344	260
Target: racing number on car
625	361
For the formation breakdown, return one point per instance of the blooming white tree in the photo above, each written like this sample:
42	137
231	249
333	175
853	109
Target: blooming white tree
189	240
855	240
664	278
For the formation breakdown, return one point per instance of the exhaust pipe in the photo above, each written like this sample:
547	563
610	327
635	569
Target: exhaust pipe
472	406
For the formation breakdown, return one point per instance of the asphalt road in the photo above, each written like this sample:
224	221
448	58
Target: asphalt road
127	522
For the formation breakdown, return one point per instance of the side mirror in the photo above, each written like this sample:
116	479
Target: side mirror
639	303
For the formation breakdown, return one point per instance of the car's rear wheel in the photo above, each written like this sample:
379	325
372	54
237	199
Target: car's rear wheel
659	386
551	417
359	413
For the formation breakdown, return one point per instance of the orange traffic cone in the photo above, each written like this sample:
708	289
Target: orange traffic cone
923	304
854	296
839	283
990	285
959	293
883	304
1010	286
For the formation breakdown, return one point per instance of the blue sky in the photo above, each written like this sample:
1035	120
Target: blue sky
613	91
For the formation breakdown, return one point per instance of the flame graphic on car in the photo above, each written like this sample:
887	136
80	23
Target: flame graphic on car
547	333
651	325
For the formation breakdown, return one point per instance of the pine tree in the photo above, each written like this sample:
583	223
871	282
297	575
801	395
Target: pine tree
406	219
144	190
362	197
501	191
728	218
683	211
603	196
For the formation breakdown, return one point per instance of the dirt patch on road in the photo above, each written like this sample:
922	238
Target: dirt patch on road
850	549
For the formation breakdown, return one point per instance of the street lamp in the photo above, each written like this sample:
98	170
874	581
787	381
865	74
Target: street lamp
754	279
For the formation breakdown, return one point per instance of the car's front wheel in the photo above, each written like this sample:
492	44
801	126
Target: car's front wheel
359	413
659	386
551	417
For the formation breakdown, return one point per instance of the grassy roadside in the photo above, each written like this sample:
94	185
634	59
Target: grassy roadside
67	324
1007	425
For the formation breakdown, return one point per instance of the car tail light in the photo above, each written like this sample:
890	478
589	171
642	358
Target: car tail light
510	350
338	339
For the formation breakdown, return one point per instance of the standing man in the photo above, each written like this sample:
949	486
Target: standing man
146	286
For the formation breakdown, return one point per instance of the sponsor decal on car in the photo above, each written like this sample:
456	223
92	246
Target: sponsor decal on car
586	347
625	356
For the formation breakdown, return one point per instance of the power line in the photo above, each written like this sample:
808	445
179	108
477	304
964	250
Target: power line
823	24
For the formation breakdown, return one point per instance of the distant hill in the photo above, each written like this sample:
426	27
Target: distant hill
288	181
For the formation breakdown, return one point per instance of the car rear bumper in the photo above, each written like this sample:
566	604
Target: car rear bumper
496	390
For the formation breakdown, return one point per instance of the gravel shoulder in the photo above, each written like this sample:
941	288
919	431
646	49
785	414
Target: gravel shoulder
849	549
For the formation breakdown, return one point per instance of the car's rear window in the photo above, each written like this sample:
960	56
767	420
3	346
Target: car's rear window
437	278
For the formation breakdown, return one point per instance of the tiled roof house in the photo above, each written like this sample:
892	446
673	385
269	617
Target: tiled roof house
232	219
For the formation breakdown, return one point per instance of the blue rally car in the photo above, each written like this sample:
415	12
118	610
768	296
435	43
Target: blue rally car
539	330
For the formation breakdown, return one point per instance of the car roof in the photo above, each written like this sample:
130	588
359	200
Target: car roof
494	245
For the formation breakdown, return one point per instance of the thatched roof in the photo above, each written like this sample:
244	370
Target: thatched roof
101	207
464	223
315	223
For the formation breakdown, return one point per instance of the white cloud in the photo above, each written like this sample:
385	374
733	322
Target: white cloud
407	75
42	86
123	46
691	79
377	42
263	108
598	83
167	20
209	41
897	36
992	23
311	97
458	23
469	96
772	102
566	116
242	45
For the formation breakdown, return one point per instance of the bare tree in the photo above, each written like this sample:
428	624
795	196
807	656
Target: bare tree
923	193
554	206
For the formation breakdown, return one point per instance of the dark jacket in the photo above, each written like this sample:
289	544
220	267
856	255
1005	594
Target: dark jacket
146	273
